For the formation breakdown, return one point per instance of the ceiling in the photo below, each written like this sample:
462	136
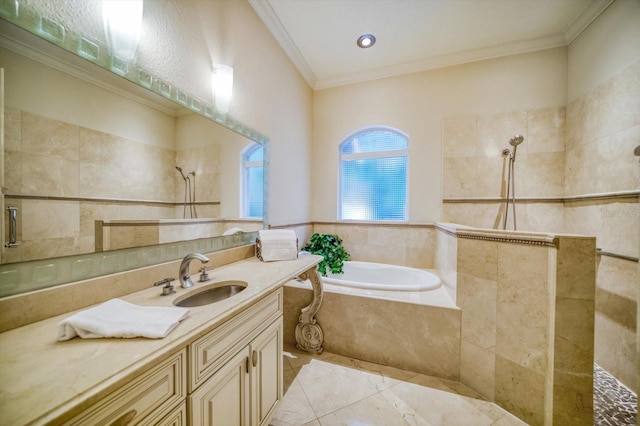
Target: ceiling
415	35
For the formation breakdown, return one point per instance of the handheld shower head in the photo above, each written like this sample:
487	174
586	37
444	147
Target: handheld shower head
516	140
178	168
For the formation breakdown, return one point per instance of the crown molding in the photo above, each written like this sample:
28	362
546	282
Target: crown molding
585	19
274	25
277	29
442	61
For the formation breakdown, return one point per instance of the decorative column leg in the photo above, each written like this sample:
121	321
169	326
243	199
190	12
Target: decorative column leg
309	336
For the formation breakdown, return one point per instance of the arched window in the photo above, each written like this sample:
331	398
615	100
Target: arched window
252	181
373	175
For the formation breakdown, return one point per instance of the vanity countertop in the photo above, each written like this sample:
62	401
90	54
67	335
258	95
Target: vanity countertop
41	378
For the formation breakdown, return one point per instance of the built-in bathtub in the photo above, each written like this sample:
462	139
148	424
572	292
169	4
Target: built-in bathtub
383	281
391	315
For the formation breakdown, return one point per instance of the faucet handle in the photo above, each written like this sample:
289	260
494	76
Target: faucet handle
168	288
204	276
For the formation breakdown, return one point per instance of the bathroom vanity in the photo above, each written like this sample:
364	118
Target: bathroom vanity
220	365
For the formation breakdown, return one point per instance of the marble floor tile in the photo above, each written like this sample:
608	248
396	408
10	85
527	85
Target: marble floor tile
374	410
329	389
336	390
295	409
425	405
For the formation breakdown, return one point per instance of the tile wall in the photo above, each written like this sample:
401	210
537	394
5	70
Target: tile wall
577	168
603	128
414	337
527	324
395	244
474	168
50	158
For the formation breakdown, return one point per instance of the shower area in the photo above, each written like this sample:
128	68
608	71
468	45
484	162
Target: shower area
543	170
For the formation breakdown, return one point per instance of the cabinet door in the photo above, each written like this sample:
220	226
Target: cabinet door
266	374
144	399
223	399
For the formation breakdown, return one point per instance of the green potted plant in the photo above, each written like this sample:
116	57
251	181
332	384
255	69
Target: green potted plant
330	247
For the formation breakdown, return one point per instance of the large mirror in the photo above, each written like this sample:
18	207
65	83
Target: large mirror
96	163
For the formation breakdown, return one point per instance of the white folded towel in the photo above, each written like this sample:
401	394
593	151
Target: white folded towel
277	244
117	318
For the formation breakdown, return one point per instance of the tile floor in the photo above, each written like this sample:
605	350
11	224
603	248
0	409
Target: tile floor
334	390
329	389
613	403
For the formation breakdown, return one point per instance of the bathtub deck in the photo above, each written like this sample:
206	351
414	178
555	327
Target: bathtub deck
439	297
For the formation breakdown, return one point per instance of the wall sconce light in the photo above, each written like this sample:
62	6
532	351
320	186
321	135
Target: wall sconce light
222	86
122	24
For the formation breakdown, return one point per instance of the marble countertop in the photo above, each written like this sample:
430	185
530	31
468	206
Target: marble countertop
42	379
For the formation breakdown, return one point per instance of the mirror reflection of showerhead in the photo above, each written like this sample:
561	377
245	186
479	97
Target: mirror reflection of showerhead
178	168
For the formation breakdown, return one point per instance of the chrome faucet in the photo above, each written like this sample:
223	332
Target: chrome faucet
184	277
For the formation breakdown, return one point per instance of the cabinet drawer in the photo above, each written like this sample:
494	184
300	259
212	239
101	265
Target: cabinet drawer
210	352
177	417
156	393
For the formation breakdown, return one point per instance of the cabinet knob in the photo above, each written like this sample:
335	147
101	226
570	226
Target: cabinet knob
254	358
125	419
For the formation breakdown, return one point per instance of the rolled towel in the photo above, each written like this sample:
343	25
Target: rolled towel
276	244
117	318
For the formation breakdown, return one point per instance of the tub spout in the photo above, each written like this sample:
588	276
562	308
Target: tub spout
184	277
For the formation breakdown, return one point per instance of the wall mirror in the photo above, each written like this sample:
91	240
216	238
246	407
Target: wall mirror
109	167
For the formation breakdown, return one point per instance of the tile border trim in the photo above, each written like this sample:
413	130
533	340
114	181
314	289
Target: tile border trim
635	194
511	237
103	200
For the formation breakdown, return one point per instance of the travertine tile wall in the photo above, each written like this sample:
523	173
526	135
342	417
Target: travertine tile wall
527	326
404	245
420	338
583	149
603	128
47	157
474	167
205	162
573	355
446	262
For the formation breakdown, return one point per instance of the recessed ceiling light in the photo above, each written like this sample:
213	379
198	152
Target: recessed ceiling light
366	41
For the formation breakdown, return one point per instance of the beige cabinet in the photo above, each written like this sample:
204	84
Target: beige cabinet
149	399
246	388
224	398
230	376
266	374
